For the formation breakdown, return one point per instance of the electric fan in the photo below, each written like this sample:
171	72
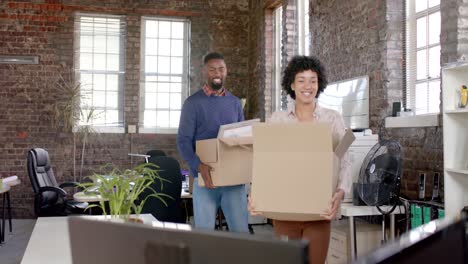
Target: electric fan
379	178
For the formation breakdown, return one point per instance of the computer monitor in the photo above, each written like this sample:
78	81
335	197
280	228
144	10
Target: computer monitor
97	241
436	242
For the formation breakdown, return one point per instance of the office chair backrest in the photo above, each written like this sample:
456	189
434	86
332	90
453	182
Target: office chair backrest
41	174
169	169
155	153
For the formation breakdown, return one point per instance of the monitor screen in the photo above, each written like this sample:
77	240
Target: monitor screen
98	241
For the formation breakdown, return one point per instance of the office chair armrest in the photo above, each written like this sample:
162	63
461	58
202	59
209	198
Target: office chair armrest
69	184
59	191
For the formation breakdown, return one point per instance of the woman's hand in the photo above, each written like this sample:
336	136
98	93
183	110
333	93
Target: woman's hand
251	207
335	204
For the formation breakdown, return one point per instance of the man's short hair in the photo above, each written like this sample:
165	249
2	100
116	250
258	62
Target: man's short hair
211	56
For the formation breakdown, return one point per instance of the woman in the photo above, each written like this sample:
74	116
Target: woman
304	79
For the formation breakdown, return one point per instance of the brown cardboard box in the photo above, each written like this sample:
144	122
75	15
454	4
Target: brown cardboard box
230	154
295	169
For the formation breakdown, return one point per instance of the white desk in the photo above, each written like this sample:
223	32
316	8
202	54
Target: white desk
350	210
50	242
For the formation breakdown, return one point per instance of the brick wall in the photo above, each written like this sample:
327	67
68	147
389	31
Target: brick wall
45	28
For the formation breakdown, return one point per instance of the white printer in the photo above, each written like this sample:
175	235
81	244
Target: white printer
365	140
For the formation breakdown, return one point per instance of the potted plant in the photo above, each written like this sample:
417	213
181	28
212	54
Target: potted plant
122	189
71	115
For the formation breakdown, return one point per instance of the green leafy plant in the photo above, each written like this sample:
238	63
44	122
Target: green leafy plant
122	190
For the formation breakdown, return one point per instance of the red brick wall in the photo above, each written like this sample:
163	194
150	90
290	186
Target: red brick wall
45	28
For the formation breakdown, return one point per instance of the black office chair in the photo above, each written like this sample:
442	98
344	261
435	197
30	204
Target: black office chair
50	199
169	169
155	153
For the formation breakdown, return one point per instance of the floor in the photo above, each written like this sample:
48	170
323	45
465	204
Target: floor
12	250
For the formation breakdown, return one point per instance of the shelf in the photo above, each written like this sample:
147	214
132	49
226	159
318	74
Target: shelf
457	111
459	171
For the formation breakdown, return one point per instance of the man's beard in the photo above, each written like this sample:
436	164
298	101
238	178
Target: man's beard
216	86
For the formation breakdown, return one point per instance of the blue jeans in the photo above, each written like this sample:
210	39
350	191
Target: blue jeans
233	202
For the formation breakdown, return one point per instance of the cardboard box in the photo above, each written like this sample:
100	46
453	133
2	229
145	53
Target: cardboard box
230	154
295	169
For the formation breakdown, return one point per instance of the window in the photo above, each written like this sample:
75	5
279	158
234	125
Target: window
276	94
100	67
164	73
304	28
423	26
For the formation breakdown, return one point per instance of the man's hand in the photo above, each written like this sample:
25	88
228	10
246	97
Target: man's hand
205	171
334	205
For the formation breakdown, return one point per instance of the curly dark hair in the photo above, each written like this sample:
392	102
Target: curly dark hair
303	63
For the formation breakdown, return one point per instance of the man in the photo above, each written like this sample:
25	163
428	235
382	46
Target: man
202	115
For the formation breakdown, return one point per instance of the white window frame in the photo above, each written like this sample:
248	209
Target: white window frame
89	90
185	80
411	58
304	27
276	90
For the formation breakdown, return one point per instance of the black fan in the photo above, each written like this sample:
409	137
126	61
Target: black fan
380	174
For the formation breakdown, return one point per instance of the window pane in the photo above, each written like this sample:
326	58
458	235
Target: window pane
162	118
113	44
164	29
433	3
421	98
434	96
151	29
175	117
421	65
164	78
178	30
150	100
164	47
176	87
151	47
99	118
164	87
151	64
177	48
86	81
113	62
86	99
86	44
163	100
176	65
112	100
100	44
420	5
434	62
99	62
176	79
99	82
150	118
434	26
150	87
112	82
163	64
176	100
112	118
86	61
99	99
421	32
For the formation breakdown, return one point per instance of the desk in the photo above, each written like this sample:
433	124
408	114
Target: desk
50	242
350	210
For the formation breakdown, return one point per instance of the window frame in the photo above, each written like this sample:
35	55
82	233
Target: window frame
185	75
304	34
78	33
276	89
